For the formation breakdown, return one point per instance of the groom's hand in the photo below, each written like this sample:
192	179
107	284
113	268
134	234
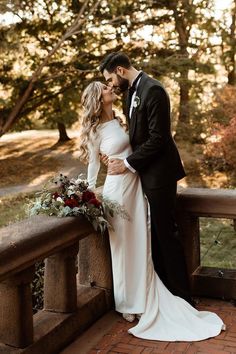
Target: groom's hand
116	167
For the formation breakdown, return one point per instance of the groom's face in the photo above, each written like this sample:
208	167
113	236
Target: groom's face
116	81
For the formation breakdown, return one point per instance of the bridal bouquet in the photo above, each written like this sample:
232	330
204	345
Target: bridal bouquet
71	197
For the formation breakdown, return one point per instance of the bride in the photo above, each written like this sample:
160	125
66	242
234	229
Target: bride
138	291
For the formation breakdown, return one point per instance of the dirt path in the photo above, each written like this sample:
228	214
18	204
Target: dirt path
61	159
68	167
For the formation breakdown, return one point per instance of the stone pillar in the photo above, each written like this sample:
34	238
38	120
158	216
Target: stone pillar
60	289
16	314
95	264
189	230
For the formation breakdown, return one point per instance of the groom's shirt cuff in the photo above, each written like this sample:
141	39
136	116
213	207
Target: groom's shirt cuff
128	166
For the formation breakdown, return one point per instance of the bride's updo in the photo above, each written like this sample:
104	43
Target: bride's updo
92	108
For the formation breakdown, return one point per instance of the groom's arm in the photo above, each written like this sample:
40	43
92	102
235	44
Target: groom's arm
158	116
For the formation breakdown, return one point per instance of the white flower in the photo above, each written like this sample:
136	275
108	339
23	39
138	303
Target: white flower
137	102
71	190
59	199
78	180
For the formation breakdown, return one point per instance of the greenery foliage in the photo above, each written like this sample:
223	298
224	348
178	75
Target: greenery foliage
221	152
218	243
37	287
172	40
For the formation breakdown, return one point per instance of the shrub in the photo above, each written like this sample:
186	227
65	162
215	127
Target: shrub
224	105
37	287
221	152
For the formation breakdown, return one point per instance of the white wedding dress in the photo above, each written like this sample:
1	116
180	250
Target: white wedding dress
137	288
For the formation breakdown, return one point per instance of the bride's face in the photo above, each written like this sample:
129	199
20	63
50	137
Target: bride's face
108	95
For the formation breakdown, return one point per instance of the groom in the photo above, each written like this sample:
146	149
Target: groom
156	160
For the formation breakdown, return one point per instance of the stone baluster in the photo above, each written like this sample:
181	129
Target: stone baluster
60	289
95	264
16	314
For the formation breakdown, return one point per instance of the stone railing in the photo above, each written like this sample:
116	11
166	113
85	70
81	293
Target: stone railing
194	203
74	300
71	302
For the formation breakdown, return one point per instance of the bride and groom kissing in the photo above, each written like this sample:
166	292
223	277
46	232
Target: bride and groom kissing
148	265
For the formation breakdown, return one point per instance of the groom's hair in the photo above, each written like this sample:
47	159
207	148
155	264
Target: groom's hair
112	60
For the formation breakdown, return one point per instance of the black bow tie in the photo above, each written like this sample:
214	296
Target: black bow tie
133	87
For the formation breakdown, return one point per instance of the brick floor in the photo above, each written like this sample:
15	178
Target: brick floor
115	339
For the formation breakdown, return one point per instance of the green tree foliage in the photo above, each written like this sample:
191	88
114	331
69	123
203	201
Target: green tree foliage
170	40
220	151
41	25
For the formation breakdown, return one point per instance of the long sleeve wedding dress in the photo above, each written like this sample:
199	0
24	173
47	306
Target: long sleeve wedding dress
137	287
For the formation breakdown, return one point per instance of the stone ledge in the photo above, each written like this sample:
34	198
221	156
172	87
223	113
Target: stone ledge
24	243
214	282
53	331
208	202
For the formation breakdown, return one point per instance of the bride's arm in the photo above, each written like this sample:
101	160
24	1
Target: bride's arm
94	163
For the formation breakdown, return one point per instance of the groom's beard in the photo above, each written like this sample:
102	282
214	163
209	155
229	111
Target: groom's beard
123	85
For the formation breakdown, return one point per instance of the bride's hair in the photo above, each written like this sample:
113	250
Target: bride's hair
92	108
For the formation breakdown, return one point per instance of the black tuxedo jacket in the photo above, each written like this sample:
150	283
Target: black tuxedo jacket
155	156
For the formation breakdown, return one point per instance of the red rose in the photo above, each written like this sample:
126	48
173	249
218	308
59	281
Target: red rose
87	195
72	203
95	202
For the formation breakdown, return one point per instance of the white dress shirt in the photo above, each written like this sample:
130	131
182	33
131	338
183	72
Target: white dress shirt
133	96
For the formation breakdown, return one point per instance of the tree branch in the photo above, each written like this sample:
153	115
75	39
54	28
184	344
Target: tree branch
14	115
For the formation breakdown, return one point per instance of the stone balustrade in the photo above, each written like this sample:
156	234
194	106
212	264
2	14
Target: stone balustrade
194	203
70	303
75	298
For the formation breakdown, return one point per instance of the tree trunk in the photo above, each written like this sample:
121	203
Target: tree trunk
182	129
184	98
181	26
232	69
62	133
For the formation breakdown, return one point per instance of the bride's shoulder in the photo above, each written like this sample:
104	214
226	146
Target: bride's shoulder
95	136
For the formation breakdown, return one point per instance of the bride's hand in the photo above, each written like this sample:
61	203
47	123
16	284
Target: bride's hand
104	158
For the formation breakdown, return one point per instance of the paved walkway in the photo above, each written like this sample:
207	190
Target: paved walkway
109	335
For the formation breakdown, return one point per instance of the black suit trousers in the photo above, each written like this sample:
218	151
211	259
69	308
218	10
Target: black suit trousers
167	250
